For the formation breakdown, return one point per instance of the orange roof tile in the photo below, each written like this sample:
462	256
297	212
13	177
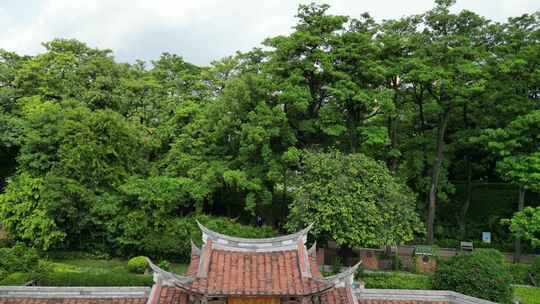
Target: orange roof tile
253	273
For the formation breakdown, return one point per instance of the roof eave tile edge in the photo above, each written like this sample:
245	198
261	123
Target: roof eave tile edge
74	292
417	295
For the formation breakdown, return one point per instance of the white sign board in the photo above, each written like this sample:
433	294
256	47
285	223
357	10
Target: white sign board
486	237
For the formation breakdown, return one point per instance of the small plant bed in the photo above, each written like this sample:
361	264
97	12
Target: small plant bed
98	272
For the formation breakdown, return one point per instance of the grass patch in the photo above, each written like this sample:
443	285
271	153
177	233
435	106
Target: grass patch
527	295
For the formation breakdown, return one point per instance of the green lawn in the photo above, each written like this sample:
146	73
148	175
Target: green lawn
102	266
97	272
527	295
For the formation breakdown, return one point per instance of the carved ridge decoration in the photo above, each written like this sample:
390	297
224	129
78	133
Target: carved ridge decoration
168	278
342	279
279	243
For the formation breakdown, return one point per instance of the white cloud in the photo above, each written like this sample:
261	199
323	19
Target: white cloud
198	30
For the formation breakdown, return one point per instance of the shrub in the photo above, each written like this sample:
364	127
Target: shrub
18	258
137	264
16	278
397	264
519	273
481	274
94	279
535	270
396	281
165	265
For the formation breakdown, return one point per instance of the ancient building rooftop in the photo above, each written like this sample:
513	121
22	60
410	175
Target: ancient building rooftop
280	266
232	270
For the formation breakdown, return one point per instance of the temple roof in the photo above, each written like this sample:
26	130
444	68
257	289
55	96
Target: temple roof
228	265
246	273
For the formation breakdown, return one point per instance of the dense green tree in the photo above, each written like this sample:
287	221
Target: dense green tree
70	157
234	144
449	68
517	147
525	224
353	200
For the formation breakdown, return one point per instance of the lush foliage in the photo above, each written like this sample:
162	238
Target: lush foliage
16	279
353	200
525	224
410	115
518	145
20	259
173	239
481	274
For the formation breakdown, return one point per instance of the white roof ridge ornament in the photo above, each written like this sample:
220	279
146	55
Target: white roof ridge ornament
168	277
226	239
313	248
194	249
342	277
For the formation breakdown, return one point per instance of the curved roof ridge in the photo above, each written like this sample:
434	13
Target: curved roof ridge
289	237
194	249
313	249
342	276
169	277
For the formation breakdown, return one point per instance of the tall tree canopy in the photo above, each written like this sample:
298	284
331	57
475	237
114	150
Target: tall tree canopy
353	200
389	121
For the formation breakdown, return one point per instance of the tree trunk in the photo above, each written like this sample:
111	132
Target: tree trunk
392	130
517	241
419	98
436	169
465	207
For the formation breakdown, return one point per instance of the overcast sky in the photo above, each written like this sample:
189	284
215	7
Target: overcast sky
198	30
